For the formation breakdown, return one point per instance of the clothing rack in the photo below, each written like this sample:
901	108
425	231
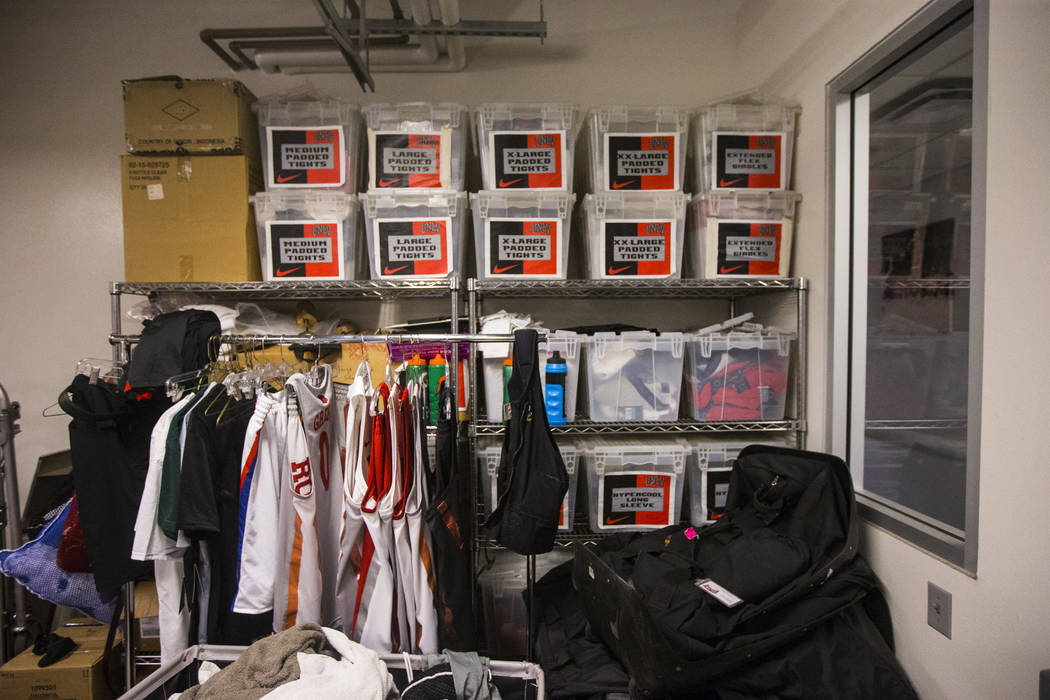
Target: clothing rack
13	612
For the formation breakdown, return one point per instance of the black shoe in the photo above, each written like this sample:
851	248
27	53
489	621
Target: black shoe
41	643
58	649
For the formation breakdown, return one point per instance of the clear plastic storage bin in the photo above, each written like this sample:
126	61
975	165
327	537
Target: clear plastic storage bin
638	148
739	375
744	146
568	346
310	143
307	234
414	235
740	235
416	144
527	146
634	376
635	235
522	235
710	466
488	467
503	582
634	485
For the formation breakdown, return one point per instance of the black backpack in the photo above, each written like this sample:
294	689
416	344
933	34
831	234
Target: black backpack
532	480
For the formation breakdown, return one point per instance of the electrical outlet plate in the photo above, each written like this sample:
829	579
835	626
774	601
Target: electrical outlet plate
939	609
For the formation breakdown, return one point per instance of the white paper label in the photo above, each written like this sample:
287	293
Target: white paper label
305	250
526	161
717	592
641	163
635	248
751	248
627	499
409	161
744	161
155	191
524	248
413	248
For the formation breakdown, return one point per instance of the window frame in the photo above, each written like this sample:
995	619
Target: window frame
951	547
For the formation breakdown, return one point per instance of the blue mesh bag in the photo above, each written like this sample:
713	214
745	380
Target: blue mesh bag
33	565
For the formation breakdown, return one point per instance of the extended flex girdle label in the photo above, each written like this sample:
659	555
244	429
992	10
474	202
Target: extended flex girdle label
639	248
306	156
748	160
528	160
747	248
311	250
413	247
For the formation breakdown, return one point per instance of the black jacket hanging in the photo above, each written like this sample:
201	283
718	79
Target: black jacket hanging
532	479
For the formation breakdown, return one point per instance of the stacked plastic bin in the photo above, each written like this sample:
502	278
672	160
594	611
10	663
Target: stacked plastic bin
307	220
415	204
741	225
634	218
523	215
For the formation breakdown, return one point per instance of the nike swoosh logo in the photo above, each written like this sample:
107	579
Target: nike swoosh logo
501	270
282	273
621	185
611	521
508	183
729	183
723	270
287	178
388	183
618	270
388	271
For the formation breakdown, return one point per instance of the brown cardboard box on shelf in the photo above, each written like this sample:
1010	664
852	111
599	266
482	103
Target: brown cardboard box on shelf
79	675
172	115
188	219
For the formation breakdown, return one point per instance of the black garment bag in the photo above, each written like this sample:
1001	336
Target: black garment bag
532	480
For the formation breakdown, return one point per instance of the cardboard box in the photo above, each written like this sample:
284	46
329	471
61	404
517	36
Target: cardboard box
188	219
79	675
172	115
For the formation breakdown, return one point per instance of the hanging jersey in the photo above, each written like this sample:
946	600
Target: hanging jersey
303	597
259	502
150	541
352	535
404	607
315	398
380	622
425	639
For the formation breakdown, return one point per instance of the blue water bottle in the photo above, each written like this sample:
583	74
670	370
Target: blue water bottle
554	395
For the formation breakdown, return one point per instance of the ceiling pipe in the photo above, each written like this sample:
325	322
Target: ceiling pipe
422	59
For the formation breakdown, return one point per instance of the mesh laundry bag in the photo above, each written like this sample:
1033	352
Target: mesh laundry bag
33	565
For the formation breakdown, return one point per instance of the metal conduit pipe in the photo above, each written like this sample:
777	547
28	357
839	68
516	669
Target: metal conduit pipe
330	60
380	60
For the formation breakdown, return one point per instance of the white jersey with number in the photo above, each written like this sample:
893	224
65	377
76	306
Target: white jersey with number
300	598
259	504
322	429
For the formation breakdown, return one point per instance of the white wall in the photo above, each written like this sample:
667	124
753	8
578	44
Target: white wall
61	132
1000	637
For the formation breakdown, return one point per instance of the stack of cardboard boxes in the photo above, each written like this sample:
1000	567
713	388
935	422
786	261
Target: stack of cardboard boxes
192	163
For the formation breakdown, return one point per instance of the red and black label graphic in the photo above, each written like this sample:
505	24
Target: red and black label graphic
633	499
304	250
638	249
306	157
748	247
523	247
562	523
748	161
533	161
717	487
413	247
407	160
641	162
